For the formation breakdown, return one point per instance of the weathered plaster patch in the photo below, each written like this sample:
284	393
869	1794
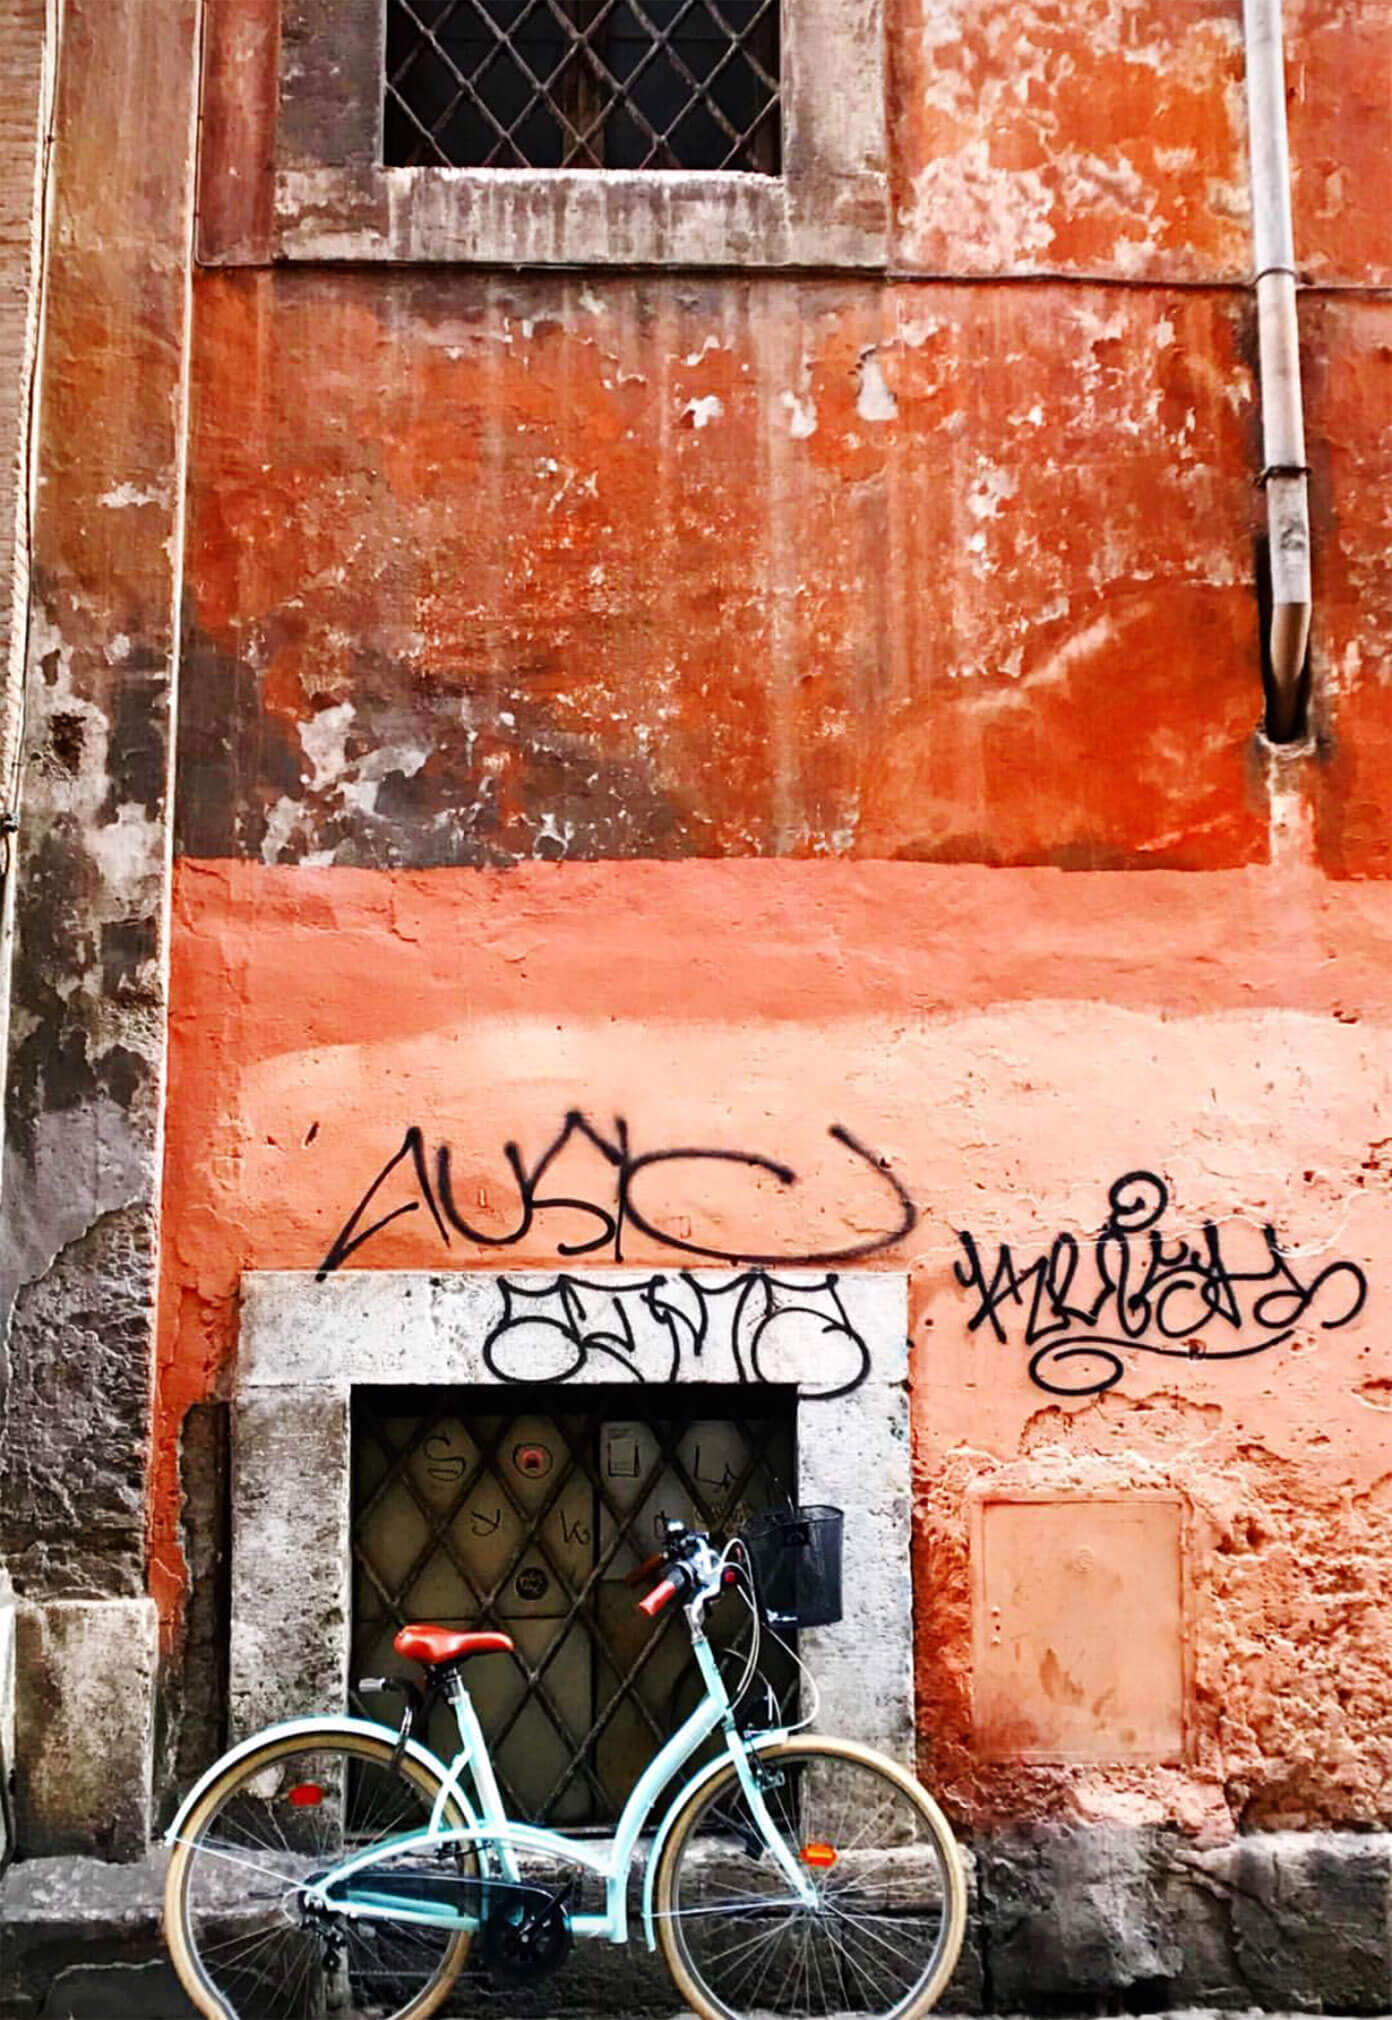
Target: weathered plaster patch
128	850
122	496
1119	134
578	605
74	1386
875	399
701	412
283	821
324	737
992	485
802	416
45	1211
552	842
1003	214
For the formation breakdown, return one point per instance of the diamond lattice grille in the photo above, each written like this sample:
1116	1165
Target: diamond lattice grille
652	84
475	1508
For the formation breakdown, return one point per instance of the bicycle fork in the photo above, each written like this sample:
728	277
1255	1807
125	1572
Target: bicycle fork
746	1762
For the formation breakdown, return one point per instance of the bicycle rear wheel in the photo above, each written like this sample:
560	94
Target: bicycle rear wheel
246	1943
883	1933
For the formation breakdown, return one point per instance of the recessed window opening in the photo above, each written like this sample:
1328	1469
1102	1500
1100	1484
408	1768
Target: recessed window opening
587	84
523	1509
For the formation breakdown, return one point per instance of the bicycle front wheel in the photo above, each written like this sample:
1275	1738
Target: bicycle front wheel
880	1936
247	1943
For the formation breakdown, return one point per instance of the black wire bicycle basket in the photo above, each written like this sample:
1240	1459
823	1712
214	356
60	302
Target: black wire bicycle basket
795	1556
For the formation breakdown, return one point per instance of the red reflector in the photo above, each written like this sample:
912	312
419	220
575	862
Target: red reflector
818	1854
305	1795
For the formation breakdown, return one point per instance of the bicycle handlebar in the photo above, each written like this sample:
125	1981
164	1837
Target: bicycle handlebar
646	1570
688	1560
663	1594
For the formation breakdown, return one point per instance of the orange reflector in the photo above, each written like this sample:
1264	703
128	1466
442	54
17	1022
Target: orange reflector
818	1854
305	1795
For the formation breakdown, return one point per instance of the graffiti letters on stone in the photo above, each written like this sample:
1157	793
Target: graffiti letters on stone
1083	1307
613	1208
749	1328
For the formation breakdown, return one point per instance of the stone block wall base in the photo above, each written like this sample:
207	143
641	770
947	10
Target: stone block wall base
84	1726
1100	1917
82	1938
1093	1920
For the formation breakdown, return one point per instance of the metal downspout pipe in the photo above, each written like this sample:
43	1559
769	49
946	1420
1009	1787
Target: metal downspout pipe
1284	470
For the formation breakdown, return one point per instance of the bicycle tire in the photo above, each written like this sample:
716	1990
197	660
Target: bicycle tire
280	1968
881	1941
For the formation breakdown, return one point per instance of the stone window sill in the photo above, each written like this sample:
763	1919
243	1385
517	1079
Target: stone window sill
576	218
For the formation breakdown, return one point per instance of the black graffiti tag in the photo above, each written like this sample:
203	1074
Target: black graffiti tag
1175	1297
751	1328
620	1207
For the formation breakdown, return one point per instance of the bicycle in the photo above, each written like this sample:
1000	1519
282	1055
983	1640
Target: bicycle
332	1866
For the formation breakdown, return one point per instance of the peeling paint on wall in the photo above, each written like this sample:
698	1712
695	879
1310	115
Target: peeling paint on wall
632	585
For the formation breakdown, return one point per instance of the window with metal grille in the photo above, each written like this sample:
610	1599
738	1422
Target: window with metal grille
523	1510
636	84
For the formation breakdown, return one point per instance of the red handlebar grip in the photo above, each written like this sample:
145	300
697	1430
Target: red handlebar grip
646	1570
658	1598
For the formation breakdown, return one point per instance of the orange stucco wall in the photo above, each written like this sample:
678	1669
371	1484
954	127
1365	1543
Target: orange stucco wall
1011	1043
678	568
751	703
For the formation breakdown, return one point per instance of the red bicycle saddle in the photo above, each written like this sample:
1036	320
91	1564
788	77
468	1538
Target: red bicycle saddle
445	1644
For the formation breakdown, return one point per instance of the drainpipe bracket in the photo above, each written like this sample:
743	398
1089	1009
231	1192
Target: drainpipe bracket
1270	470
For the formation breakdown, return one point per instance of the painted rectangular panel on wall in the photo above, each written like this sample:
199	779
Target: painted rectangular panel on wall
1079	1629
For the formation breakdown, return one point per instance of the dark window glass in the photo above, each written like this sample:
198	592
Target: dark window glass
582	84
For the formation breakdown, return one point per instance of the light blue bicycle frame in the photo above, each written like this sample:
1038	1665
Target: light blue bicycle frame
498	1840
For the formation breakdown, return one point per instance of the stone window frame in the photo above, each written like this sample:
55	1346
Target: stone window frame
305	1344
291	167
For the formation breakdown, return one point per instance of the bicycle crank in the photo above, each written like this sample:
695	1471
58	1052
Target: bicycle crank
526	1933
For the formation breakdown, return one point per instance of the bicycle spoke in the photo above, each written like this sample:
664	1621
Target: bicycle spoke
213	1851
264	1939
873	1934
